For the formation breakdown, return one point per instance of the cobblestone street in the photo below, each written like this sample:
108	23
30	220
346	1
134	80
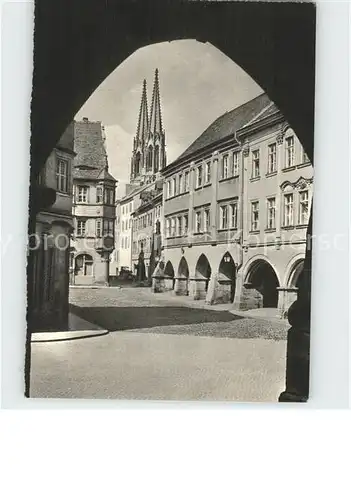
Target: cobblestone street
162	347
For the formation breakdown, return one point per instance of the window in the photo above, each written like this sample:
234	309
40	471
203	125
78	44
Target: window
233	215
179	226
288	209
206	220
223	213
180	183
289	152
208	172
130	223
62	175
225	167
172	226
174	186
168	189
186	181
84	265
123	209
99	194
303	207
199	176
130	207
272	158
198	222
168	228
271	213
185	225
235	163
122	225
255	164
108	227
81	227
254	216
98	228
82	194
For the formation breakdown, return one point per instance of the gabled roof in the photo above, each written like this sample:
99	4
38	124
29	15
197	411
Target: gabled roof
266	112
227	124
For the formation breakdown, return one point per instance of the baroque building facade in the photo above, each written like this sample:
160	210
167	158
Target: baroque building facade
53	231
94	209
235	206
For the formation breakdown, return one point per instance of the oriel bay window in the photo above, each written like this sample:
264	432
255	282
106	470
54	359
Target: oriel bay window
82	194
108	227
98	228
233	215
81	227
62	175
99	195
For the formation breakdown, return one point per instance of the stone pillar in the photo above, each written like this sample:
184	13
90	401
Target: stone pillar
102	270
169	283
298	346
197	288
286	296
181	286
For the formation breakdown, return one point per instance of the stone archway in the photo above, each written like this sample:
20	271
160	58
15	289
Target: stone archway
226	279
169	278
261	286
182	280
296	276
201	279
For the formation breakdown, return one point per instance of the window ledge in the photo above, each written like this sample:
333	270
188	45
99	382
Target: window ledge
301	226
270	230
227	229
271	174
254	179
257	231
288	227
288	169
229	178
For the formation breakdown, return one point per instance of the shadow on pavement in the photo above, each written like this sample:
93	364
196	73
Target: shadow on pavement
129	318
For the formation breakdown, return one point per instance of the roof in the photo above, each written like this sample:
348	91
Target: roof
92	174
89	144
227	124
266	112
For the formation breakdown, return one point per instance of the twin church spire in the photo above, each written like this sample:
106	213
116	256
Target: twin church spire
149	155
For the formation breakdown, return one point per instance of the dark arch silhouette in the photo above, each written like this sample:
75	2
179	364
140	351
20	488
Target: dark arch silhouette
149	158
169	272
296	275
227	271
157	159
203	269
263	278
183	268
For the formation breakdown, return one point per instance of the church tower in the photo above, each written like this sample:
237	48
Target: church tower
149	152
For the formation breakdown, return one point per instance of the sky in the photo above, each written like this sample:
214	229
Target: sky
198	83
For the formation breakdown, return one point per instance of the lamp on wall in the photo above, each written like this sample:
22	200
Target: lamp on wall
182	250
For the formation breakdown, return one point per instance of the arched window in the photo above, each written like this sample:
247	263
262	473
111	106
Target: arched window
149	159
137	164
157	165
84	265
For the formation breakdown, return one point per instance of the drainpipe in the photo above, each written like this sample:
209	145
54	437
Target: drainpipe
242	179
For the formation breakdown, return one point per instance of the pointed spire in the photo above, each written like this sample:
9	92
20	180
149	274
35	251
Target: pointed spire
143	121
155	116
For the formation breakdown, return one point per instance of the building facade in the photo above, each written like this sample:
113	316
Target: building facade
224	207
141	208
53	231
94	208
